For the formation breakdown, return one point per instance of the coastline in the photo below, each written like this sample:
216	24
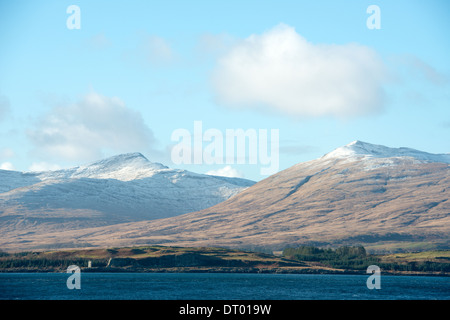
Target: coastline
207	270
162	259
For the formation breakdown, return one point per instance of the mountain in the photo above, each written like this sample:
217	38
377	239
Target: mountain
120	189
363	150
380	197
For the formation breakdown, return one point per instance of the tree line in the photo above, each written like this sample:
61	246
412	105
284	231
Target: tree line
356	258
48	263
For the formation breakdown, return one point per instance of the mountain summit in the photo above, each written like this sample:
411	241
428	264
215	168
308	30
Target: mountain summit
124	167
358	149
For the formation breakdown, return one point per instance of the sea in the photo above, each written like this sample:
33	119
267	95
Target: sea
218	286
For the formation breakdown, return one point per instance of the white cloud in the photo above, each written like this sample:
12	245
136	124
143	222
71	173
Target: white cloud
83	131
226	171
280	70
44	166
7	166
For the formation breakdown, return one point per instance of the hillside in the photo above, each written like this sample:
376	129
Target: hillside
387	199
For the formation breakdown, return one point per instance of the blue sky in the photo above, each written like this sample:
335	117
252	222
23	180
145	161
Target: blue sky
136	71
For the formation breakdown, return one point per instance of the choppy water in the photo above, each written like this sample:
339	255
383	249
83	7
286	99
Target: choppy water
201	286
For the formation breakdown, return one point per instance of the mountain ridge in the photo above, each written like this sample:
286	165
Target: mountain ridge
118	167
398	201
119	189
359	148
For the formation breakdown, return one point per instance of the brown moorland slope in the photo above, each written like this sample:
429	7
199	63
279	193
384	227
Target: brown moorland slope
344	198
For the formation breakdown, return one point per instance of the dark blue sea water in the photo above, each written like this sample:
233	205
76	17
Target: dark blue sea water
202	286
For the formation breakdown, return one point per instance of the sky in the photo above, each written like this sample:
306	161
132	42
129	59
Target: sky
85	80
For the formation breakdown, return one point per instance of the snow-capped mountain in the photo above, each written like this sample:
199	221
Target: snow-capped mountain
357	194
358	149
123	167
119	189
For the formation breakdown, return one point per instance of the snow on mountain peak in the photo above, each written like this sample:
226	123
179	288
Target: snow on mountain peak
122	188
125	167
135	159
360	149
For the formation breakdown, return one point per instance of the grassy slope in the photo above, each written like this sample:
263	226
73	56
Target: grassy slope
442	256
